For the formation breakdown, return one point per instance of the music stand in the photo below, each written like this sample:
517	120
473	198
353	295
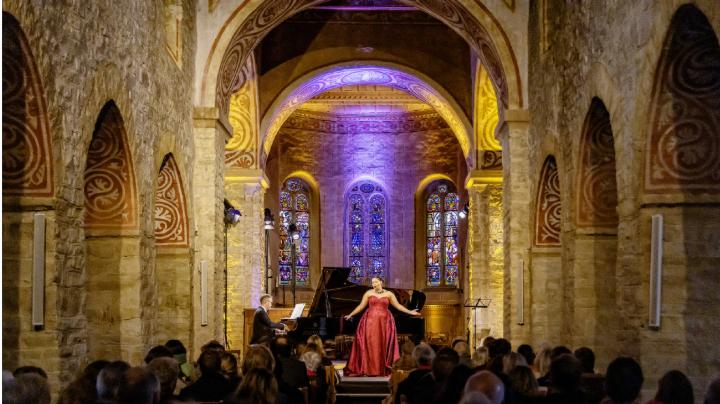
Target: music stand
474	305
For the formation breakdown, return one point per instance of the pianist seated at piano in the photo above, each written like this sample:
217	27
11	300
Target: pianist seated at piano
375	347
262	326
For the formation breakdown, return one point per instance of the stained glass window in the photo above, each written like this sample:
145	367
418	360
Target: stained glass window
294	208
442	236
366	232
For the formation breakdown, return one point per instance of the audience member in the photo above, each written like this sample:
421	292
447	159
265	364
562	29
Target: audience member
258	356
487	341
258	386
499	347
452	388
542	366
406	361
211	386
512	360
212	345
108	381
487	383
713	392
320	348
293	372
30	369
166	370
315	374
559	350
463	351
138	386
623	381
480	358
430	384
423	355
84	388
229	369
474	397
565	381
593	384
158	351
177	349
674	387
27	388
523	384
527	352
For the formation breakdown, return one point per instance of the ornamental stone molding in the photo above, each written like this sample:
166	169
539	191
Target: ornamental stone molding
171	218
597	187
241	150
548	207
110	192
375	123
26	148
683	148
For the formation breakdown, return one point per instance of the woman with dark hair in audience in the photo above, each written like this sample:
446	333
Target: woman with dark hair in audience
674	388
259	387
83	389
523	384
623	381
229	369
318	347
179	353
453	386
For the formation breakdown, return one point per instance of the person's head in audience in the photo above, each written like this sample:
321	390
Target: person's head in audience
523	381
488	384
209	363
461	347
445	360
623	380
179	353
586	356
315	339
283	348
258	356
713	392
559	350
407	348
527	352
158	351
674	387
28	387
565	373
481	356
266	340
423	355
229	366
499	347
511	361
258	387
108	380
312	360
451	390
543	361
166	370
138	386
30	369
84	388
487	341
474	397
212	345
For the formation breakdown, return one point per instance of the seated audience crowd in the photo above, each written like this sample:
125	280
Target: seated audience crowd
276	371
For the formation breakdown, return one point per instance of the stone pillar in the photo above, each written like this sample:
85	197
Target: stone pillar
245	189
513	134
210	135
485	252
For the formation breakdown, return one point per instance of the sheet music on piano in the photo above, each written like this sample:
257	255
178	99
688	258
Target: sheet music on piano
297	311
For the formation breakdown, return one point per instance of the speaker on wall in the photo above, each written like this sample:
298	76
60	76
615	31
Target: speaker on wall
38	272
203	293
656	269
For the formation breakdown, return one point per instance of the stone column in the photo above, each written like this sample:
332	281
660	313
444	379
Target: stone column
513	134
245	189
485	252
210	135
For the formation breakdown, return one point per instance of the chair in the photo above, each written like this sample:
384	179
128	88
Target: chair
396	377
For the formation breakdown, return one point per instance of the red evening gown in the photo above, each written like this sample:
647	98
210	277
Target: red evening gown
375	348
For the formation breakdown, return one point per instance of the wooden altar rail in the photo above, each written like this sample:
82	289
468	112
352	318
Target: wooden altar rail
443	322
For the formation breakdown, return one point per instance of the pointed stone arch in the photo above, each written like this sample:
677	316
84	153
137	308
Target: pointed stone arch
26	147
596	183
548	206
683	146
171	217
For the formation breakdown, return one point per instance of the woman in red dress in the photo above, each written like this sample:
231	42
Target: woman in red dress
375	348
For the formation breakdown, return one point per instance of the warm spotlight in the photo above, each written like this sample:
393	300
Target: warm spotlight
232	215
465	212
269	219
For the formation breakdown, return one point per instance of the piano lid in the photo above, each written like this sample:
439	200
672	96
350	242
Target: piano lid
331	278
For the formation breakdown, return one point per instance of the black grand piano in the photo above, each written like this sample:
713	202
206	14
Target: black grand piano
336	297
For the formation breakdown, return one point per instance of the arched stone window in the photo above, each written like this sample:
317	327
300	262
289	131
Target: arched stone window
367	244
441	233
295	208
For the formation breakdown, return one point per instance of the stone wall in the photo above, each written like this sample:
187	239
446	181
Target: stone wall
612	51
95	52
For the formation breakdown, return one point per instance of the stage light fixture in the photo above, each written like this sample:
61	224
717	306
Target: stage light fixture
232	215
269	219
293	231
465	212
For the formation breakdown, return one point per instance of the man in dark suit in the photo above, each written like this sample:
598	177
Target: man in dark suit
262	326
